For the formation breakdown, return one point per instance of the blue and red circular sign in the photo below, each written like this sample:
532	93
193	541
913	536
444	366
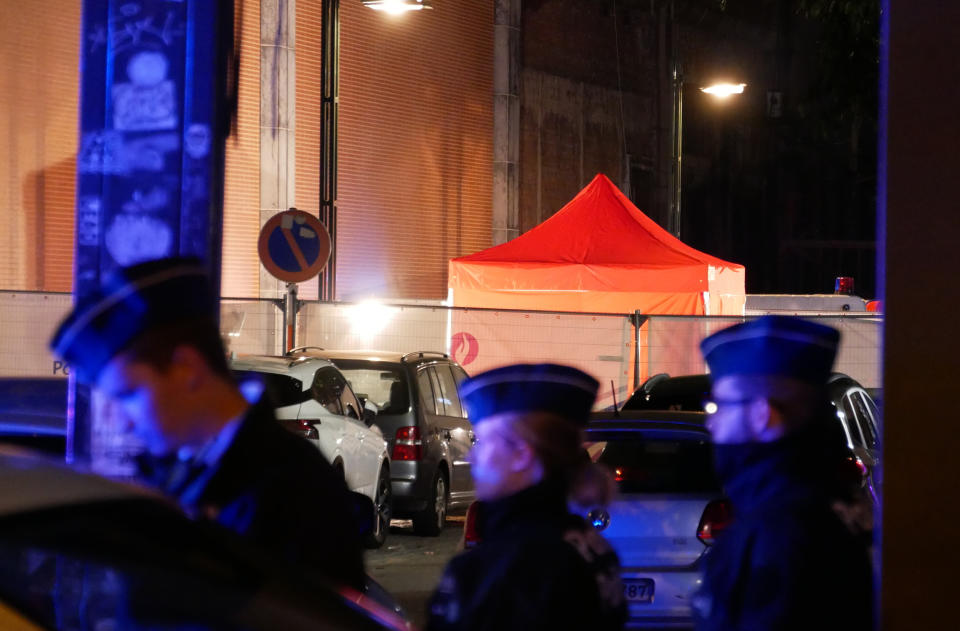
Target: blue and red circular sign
294	246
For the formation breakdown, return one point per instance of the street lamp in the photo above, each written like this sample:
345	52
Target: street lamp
720	91
724	90
397	7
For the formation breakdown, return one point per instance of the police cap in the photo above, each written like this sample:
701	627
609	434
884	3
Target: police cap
561	390
783	346
129	302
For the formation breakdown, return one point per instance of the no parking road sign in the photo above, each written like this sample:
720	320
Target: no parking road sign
294	246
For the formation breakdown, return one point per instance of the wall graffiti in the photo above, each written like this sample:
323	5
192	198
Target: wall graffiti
148	101
146	158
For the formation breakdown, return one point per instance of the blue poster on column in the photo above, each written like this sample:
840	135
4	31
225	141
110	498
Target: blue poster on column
150	150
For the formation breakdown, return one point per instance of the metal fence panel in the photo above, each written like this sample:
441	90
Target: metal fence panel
27	321
371	326
480	339
251	327
673	344
600	345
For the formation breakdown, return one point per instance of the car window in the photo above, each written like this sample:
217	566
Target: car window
351	406
868	418
280	390
438	399
853	421
382	385
326	389
655	465
459	374
448	391
426	391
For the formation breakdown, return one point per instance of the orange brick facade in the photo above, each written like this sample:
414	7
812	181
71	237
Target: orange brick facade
415	152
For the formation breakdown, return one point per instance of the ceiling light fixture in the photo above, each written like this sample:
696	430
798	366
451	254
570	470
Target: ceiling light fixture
396	7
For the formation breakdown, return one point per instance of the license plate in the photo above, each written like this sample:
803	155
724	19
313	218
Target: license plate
638	590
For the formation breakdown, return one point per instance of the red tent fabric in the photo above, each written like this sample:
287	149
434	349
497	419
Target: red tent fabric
599	254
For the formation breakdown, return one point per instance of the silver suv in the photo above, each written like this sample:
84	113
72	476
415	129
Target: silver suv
426	428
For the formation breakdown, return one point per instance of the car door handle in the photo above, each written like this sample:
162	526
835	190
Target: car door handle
473	438
447	435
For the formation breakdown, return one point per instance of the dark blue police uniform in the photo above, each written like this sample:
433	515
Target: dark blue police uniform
266	484
537	566
787	561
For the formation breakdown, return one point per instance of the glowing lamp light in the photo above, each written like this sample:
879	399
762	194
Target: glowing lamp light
724	90
396	7
710	407
370	318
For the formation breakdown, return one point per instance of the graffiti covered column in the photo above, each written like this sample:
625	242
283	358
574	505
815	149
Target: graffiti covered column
150	164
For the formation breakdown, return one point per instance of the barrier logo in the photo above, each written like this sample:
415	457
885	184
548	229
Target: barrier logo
464	348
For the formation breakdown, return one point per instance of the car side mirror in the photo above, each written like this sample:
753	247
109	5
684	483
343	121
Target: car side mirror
369	416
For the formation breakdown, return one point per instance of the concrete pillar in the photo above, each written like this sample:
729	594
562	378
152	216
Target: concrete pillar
506	120
277	119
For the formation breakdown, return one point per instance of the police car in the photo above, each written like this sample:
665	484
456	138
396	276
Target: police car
312	398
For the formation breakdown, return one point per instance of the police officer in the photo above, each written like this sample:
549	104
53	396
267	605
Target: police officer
148	343
787	561
537	565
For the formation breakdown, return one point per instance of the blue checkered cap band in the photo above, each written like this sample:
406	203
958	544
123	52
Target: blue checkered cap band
130	301
773	345
561	390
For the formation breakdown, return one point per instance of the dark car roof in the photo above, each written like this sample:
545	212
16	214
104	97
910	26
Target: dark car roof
648	420
33	405
687	390
43	483
87	517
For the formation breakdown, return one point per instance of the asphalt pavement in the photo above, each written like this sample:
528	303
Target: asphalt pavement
410	566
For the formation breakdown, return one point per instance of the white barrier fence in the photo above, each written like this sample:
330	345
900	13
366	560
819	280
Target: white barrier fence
602	345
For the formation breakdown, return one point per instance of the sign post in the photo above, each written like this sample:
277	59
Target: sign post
294	246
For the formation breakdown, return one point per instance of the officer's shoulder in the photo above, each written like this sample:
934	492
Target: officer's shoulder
803	531
268	445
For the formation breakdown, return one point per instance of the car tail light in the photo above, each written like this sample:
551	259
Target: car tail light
716	517
625	473
471	533
301	427
862	467
408	445
854	471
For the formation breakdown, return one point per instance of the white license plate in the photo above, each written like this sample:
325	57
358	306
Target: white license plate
638	590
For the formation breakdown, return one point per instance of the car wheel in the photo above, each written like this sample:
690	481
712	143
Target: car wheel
431	521
382	507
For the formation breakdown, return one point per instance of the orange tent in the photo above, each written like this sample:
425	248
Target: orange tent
598	254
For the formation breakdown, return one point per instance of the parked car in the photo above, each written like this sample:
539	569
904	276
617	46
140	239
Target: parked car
427	430
668	509
855	409
82	552
33	413
311	397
